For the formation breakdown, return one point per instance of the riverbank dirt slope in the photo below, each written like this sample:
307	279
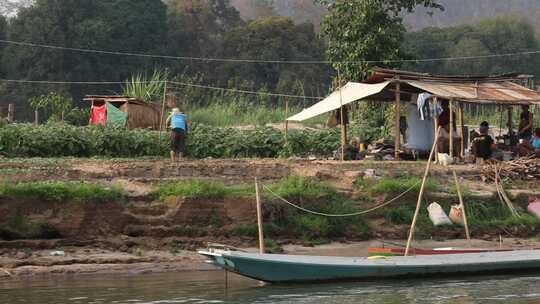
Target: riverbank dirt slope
144	229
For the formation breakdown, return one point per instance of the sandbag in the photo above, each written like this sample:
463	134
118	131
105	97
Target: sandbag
437	215
534	208
456	215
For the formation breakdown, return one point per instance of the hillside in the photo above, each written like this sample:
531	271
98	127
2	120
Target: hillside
456	12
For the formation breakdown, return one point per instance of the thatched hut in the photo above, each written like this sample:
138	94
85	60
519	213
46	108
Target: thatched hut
138	114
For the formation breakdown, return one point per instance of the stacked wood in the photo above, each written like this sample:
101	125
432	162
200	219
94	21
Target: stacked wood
526	168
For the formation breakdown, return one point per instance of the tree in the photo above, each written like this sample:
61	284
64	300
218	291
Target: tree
490	36
196	28
115	25
3	32
275	38
366	30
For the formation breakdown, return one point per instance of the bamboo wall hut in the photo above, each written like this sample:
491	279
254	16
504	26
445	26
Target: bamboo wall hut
140	114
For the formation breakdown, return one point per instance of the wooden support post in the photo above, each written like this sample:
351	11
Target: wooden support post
11	112
259	216
462	127
462	207
162	110
397	144
435	128
509	124
451	126
286	121
36	117
421	193
342	120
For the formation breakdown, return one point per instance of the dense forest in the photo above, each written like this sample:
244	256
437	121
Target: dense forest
217	29
456	11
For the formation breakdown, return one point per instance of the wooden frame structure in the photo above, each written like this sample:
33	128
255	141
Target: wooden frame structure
385	85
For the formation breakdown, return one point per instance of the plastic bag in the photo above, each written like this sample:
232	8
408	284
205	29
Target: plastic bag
437	215
456	215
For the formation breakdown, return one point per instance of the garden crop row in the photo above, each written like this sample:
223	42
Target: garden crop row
57	140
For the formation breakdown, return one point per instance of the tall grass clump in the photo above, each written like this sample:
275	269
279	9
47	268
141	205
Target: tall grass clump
58	191
146	88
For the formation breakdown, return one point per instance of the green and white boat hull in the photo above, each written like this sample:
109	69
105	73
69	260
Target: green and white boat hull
278	268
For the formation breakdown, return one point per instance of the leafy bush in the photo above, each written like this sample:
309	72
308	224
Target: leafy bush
56	140
399	215
60	192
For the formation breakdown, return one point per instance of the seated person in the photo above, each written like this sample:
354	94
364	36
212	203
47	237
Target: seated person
483	145
527	148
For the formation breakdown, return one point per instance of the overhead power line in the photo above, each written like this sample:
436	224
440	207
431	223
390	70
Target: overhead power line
243	91
187	58
184	84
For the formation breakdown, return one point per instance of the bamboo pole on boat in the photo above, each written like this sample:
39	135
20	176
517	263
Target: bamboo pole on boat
462	207
421	194
259	216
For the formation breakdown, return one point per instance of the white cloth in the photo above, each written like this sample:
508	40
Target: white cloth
420	102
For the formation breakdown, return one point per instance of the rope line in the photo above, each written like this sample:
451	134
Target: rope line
117	53
346	214
200	86
243	91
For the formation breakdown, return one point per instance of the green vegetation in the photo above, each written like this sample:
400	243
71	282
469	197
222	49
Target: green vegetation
303	187
20	227
56	140
230	113
386	185
359	31
61	192
317	197
195	188
146	88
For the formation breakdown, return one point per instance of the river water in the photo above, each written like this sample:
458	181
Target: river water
209	287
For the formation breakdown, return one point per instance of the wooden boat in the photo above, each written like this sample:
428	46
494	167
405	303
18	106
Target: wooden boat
398	251
278	268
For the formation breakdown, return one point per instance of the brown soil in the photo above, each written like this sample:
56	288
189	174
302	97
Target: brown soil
145	234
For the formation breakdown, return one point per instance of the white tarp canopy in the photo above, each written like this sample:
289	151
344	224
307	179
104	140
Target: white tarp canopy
351	92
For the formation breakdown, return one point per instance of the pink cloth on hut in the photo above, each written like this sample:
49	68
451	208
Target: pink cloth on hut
98	115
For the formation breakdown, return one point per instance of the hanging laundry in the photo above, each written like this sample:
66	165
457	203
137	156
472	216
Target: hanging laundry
98	115
115	117
423	106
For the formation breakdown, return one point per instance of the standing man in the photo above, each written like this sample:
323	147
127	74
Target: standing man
525	124
443	144
179	130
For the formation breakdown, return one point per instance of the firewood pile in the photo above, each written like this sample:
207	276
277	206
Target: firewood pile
519	169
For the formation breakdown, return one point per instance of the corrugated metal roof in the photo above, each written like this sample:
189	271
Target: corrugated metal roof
504	92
